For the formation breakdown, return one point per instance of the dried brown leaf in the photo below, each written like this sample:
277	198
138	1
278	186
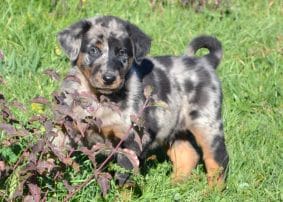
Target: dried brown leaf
8	128
43	166
81	127
67	161
69	187
84	102
38	147
26	154
22	132
40	118
2	56
101	147
49	126
7	114
35	192
57	152
88	95
70	128
93	121
62	111
2	166
7	143
32	158
103	180
19	105
59	97
40	100
72	78
52	74
90	154
131	155
28	198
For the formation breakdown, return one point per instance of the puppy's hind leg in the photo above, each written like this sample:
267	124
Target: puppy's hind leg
215	155
184	158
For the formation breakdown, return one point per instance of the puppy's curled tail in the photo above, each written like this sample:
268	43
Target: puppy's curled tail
212	44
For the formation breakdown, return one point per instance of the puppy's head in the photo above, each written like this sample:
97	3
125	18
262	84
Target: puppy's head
104	49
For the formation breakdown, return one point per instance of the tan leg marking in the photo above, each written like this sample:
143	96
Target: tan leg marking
116	130
214	170
184	158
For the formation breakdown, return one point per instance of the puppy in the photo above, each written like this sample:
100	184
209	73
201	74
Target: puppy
108	57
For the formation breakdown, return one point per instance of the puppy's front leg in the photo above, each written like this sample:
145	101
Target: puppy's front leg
128	160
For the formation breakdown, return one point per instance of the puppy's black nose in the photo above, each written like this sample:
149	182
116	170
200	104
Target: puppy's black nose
108	78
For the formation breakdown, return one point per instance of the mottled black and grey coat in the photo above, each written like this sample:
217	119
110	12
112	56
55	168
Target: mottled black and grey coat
108	55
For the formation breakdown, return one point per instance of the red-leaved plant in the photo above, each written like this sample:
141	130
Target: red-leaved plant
41	159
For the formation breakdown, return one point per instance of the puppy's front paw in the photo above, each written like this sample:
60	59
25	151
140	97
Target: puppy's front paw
128	160
132	157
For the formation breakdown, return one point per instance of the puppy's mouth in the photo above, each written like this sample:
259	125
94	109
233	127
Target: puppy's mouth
107	90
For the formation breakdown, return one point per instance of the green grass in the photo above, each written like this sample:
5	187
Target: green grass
251	73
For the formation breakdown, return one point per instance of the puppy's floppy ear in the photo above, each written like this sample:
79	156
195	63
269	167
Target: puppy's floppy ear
140	41
70	38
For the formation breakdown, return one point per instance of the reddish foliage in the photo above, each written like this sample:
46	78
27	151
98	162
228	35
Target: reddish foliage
52	74
40	100
2	57
8	128
73	78
2	166
44	159
103	181
35	192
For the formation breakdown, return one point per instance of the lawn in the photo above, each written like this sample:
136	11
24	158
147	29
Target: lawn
251	73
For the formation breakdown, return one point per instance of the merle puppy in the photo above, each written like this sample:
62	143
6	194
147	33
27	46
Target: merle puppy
108	56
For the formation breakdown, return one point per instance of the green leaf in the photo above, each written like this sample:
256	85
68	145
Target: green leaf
148	91
160	103
9	155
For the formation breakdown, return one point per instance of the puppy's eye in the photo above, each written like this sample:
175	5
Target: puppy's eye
123	56
93	51
122	52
